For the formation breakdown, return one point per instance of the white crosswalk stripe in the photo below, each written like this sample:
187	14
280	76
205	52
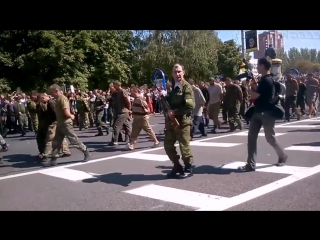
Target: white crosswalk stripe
192	199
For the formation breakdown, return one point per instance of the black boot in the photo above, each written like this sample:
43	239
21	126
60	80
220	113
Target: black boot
100	133
176	171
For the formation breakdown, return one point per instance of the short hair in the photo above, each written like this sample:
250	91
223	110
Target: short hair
265	62
178	65
117	83
56	87
43	95
228	79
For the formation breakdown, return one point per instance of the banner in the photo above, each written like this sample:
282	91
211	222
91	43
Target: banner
251	37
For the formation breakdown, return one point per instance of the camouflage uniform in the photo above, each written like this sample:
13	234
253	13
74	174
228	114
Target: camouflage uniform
83	111
99	108
32	110
233	99
20	112
182	103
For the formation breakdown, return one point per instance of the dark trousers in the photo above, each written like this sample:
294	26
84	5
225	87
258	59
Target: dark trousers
225	112
121	121
257	121
289	102
198	123
301	104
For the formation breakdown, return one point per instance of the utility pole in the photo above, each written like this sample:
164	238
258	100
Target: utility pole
242	45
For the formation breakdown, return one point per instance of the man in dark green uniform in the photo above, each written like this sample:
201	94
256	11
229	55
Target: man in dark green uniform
181	101
99	104
32	111
233	100
20	112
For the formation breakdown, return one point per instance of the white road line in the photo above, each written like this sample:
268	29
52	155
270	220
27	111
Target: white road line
178	196
298	126
260	134
122	155
213	144
269	168
303	148
258	192
148	157
70	174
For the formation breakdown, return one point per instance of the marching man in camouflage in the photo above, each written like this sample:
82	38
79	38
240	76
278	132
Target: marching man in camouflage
32	110
99	104
20	112
83	111
181	101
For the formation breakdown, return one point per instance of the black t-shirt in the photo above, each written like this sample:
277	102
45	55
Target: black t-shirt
205	94
267	91
302	91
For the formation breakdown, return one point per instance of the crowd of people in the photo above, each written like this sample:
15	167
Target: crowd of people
125	111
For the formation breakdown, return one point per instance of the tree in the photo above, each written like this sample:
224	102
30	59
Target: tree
305	60
37	58
229	59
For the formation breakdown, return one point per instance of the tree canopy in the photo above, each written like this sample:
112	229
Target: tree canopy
35	59
305	60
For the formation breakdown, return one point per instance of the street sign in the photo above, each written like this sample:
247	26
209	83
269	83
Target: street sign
251	38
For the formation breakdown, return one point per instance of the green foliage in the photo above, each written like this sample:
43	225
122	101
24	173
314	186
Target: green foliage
305	60
229	59
35	59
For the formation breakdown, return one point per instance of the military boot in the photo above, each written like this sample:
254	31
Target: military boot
86	154
176	171
100	133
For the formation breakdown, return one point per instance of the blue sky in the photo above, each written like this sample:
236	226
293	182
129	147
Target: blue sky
297	38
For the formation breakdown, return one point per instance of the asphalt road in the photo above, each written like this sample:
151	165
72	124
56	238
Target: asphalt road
116	179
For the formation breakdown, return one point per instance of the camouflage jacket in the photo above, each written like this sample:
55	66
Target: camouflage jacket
99	103
83	105
32	108
233	95
181	101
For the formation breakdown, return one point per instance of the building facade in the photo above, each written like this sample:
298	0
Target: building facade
265	39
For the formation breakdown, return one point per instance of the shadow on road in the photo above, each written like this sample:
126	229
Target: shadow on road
207	169
313	144
306	130
123	180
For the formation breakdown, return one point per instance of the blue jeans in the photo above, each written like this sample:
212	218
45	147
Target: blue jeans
198	123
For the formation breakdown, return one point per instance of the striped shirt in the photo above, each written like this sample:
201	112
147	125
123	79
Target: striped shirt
139	107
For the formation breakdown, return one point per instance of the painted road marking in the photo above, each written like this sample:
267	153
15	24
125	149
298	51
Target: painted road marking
123	155
297	126
69	174
269	168
260	134
303	148
149	157
178	196
213	144
258	192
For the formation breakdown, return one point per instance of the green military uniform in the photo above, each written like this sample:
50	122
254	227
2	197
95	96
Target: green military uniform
32	109
20	112
181	101
99	108
83	111
233	100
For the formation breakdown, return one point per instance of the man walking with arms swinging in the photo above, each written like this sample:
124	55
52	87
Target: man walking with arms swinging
181	101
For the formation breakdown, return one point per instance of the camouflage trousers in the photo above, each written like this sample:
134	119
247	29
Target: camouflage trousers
45	139
182	135
35	123
83	120
65	130
233	115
